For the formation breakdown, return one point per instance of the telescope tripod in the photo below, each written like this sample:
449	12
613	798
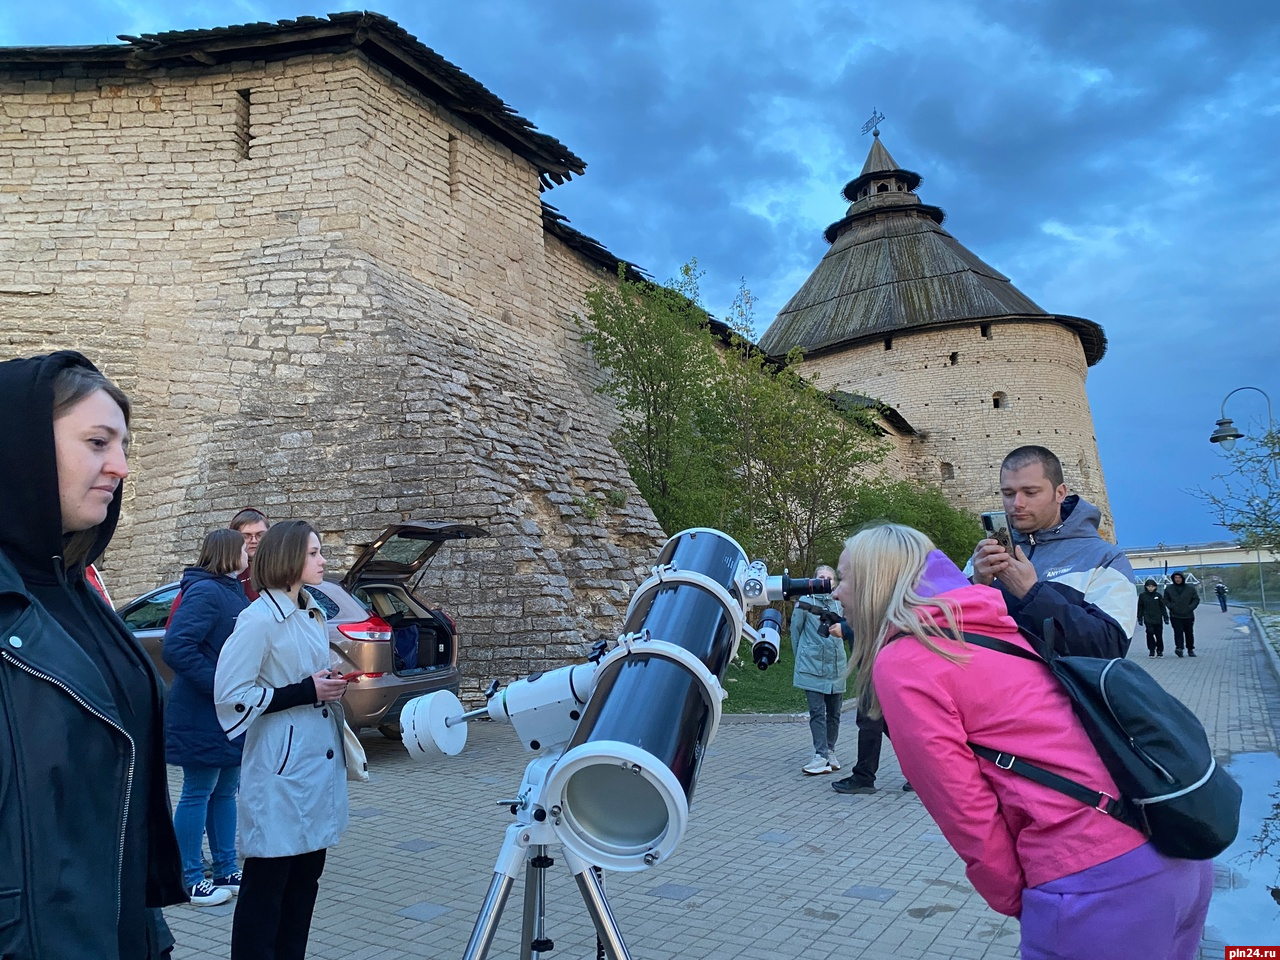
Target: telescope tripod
527	841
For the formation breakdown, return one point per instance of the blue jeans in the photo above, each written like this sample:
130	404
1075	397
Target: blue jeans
208	801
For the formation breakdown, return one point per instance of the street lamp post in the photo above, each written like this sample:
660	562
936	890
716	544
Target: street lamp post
1226	434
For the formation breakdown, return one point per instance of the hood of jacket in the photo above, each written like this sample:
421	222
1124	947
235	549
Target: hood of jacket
1080	518
30	508
199	574
980	609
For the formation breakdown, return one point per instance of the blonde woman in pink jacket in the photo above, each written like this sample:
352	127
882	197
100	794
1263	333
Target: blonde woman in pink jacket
1083	884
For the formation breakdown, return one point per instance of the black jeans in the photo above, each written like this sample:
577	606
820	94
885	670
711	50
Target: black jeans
273	912
1183	631
871	734
1155	638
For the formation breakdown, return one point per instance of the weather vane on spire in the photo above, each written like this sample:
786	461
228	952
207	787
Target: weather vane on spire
872	126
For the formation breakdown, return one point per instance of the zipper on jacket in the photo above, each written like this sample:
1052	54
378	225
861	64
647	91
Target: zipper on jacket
128	788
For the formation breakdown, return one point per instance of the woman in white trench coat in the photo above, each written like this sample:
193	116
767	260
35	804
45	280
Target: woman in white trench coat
274	685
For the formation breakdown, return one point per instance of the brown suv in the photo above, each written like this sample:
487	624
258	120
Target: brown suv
378	624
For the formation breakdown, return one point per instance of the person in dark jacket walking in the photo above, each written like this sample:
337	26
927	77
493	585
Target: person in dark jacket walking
87	848
1221	591
1182	598
1152	615
193	737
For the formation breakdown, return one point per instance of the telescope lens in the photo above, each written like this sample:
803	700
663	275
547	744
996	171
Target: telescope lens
616	808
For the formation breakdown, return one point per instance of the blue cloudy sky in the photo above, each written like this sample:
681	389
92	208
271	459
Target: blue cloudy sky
1116	158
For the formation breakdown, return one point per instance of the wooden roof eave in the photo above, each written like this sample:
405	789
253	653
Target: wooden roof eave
380	38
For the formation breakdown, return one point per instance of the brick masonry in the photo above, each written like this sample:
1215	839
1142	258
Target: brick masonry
331	298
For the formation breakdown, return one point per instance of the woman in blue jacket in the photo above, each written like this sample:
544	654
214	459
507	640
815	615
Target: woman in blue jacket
212	599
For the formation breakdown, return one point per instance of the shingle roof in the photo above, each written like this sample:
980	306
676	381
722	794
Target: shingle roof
377	36
892	267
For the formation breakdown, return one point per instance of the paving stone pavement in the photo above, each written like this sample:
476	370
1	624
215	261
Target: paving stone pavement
774	864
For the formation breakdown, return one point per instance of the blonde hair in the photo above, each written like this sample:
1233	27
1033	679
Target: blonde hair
885	563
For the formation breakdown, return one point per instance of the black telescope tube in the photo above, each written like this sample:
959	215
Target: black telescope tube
652	701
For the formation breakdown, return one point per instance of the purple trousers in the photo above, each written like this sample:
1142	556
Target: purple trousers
1142	904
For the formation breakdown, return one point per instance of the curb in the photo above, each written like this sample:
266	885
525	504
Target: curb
1267	646
849	704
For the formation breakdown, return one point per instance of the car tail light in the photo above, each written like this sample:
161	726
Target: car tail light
374	629
452	624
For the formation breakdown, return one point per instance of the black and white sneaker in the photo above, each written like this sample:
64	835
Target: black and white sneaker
205	894
231	882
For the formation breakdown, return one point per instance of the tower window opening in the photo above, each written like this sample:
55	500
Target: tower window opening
985	330
955	358
1000	400
948	471
882	188
241	105
888	343
455	166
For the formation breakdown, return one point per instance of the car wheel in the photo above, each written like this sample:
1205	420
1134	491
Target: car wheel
390	730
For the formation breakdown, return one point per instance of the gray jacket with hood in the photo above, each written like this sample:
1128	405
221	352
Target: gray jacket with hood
1083	583
87	849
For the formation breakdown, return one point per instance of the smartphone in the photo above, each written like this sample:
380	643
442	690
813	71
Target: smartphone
355	675
996	524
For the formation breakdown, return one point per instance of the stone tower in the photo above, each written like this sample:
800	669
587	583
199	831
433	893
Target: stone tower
900	311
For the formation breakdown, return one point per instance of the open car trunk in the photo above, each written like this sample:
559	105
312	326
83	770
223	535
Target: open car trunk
421	639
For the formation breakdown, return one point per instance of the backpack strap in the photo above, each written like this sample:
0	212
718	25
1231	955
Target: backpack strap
1001	646
1102	802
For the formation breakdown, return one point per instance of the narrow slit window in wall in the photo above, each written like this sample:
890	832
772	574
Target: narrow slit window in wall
242	106
888	343
1000	400
955	358
948	471
455	166
985	330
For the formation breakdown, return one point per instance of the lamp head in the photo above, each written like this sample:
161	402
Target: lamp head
1226	434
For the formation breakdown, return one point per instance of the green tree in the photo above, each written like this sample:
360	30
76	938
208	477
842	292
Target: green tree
652	342
1246	499
954	531
798	461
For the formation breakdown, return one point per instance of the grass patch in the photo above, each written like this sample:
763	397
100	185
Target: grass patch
752	690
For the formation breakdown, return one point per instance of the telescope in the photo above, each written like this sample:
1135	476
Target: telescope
620	739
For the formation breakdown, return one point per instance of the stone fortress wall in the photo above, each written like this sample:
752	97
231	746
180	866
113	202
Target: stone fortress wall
332	299
975	392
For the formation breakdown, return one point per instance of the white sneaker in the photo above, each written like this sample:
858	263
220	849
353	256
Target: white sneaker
819	764
831	759
205	894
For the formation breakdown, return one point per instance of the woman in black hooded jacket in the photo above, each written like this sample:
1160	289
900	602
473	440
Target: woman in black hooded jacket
87	850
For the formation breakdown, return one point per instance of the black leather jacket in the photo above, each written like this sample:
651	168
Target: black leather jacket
59	869
83	792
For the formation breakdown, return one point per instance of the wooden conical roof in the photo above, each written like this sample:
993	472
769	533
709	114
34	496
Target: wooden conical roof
892	267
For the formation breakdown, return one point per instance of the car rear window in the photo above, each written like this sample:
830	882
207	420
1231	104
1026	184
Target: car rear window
329	608
153	613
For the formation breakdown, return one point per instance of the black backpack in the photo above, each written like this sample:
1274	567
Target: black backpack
1171	788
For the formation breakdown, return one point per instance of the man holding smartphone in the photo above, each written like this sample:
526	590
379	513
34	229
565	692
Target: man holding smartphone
1059	566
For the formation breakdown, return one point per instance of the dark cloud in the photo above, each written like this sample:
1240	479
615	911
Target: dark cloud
1116	160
